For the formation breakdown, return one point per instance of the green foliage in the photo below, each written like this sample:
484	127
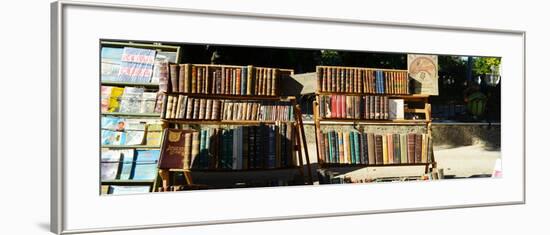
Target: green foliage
486	65
330	57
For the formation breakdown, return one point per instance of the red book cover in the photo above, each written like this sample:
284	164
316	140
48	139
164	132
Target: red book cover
173	152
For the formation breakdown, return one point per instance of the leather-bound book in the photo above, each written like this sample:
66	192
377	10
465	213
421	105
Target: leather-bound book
173	150
174	77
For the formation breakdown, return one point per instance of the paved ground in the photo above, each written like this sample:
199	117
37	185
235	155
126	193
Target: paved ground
466	161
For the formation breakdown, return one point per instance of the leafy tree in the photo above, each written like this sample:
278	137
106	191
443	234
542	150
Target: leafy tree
486	65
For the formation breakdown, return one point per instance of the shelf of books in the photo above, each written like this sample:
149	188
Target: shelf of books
131	128
370	97
222	119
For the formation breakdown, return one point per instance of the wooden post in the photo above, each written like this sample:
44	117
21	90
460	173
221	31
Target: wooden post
165	177
300	123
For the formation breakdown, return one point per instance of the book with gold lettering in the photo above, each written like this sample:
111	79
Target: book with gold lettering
173	148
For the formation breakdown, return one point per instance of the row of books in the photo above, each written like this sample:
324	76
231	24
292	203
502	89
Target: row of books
354	107
362	80
130	100
219	79
189	108
245	147
122	131
129	164
374	149
133	65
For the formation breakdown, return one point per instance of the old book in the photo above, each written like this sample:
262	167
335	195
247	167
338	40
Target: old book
341	154
378	148
200	78
357	148
168	112
396	109
161	72
250	81
371	148
418	148
196	108
192	86
274	82
173	149
396	149
411	148
377	107
390	149
195	148
385	159
202	109
187	149
347	157
403	148
385	107
159	104
174	76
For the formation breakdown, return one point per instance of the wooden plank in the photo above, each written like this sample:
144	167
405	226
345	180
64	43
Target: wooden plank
146	85
132	114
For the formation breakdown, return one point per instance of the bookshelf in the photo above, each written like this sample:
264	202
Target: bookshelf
360	97
225	96
126	171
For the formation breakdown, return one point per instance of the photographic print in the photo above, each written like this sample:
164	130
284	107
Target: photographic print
172	113
185	116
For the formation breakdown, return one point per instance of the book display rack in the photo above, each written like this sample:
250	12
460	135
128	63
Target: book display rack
131	127
229	121
370	97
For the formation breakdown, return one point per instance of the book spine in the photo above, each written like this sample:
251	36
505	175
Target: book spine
403	145
188	139
410	148
174	77
396	149
195	147
389	138
418	148
181	78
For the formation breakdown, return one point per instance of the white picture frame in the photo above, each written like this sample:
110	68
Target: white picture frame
74	147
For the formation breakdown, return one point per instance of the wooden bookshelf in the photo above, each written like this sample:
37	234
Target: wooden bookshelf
166	175
418	99
149	116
